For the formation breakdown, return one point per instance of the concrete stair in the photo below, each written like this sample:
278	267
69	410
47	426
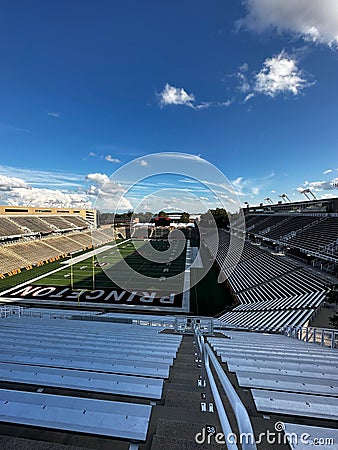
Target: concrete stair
179	418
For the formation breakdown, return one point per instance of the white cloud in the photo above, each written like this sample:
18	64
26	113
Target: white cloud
18	192
312	20
109	194
279	75
318	186
40	178
48	198
109	158
53	114
175	96
252	187
249	97
10	183
244	83
92	154
144	163
327	171
102	192
172	95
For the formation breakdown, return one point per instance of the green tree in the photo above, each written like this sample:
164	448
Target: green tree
221	217
332	294
185	217
334	321
144	217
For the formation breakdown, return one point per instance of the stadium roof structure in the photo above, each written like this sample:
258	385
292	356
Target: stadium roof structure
329	205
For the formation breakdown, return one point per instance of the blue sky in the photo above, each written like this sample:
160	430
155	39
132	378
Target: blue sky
88	86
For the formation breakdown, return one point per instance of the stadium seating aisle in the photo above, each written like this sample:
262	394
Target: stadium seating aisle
77	358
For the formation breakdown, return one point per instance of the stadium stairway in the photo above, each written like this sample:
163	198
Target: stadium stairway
177	421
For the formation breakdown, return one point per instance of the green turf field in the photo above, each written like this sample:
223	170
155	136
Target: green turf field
207	297
88	274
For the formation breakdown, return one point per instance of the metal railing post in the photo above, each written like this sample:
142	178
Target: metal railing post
241	414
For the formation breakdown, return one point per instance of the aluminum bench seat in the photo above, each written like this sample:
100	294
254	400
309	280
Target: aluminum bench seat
296	404
128	367
82	380
90	416
304	349
250	364
105	355
137	347
303	372
289	383
121	336
277	352
279	359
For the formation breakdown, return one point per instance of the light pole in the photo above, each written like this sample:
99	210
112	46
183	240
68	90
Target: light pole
284	196
308	191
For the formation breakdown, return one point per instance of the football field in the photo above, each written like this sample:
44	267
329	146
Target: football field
119	274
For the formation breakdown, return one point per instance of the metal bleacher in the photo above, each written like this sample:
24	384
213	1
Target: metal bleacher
292	378
78	358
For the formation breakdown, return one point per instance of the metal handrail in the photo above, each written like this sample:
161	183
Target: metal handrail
326	337
241	414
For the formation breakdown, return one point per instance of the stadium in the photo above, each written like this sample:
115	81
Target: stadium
93	356
169	225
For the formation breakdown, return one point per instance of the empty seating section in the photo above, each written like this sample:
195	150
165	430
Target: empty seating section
9	260
22	225
318	236
267	320
77	221
290	226
272	292
102	236
8	228
58	222
267	223
33	224
45	237
27	253
22	254
315	233
85	357
293	378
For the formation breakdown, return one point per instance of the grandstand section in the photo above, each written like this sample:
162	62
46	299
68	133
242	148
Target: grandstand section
308	230
31	237
271	291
